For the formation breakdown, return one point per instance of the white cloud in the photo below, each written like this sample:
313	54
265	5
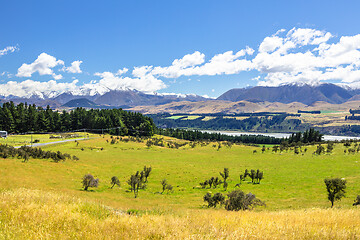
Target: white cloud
9	49
74	68
142	81
192	64
312	59
28	88
43	65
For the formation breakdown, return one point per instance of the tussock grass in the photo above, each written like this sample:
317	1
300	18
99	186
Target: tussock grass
37	214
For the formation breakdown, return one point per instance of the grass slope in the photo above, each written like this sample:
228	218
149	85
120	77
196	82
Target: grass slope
290	181
34	214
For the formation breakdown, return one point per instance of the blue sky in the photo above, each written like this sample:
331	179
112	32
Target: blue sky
108	36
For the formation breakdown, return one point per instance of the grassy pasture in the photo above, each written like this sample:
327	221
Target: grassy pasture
41	199
19	140
290	181
34	214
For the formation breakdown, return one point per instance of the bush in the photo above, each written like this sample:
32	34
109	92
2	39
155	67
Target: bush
238	200
89	181
213	201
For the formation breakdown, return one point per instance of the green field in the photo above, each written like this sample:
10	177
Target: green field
174	117
19	140
290	181
41	199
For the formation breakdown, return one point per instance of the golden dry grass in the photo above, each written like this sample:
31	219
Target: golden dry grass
36	214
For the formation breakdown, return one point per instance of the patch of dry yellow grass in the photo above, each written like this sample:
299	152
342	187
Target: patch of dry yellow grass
34	214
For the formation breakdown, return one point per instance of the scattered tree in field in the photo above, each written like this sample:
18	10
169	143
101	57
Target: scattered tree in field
136	182
115	181
219	146
296	150
133	182
238	200
147	171
335	188
357	201
89	181
263	149
225	176
165	186
246	173
242	178
275	148
329	147
259	176
319	150
252	175
213	201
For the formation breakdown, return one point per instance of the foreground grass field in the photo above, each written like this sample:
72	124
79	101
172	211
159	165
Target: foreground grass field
34	214
292	188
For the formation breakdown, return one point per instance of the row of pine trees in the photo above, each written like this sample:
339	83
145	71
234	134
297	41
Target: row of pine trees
24	118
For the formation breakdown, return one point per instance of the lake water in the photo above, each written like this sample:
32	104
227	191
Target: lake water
283	135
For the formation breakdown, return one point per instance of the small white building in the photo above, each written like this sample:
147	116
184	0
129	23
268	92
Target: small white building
3	134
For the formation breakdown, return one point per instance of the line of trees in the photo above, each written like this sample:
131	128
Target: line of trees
308	136
24	118
195	135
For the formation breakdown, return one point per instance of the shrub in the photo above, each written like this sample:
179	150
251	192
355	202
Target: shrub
213	201
238	200
89	181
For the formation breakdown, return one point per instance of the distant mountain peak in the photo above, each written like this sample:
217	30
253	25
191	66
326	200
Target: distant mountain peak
288	93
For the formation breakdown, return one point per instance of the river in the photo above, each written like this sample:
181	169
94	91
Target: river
282	135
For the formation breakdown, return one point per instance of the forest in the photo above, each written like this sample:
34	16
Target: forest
23	118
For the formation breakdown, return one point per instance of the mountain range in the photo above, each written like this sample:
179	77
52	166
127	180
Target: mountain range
304	94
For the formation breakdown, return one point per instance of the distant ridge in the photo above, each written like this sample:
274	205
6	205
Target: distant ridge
81	102
306	94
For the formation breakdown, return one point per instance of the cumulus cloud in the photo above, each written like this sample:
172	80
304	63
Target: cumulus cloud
9	49
43	65
142	81
29	88
74	68
306	56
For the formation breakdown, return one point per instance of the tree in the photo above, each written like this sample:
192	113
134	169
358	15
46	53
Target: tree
263	149
259	176
166	186
225	175
115	181
89	181
147	171
213	201
335	188
252	175
134	182
238	200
